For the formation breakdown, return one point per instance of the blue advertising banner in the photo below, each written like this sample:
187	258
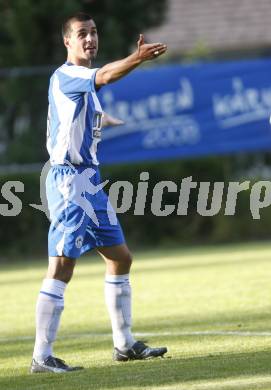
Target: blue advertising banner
179	111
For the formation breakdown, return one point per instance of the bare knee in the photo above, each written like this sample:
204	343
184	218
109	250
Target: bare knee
120	266
61	268
118	259
125	261
128	259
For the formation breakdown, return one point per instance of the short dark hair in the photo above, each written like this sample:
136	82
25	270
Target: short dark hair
78	17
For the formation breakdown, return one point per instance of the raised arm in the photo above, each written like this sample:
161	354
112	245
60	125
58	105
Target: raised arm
117	69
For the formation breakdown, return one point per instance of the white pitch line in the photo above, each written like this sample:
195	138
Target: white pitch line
152	334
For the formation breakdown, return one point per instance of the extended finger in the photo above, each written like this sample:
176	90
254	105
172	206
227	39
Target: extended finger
140	40
158	45
159	50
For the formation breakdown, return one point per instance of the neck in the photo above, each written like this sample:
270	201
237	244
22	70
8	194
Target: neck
79	62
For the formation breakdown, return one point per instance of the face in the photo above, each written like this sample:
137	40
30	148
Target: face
82	43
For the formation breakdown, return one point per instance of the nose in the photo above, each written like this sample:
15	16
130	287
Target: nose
88	37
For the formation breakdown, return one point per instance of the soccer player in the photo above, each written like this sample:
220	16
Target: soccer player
81	216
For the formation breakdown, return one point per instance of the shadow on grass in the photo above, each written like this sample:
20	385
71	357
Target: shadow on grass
24	349
85	339
99	338
154	373
153	268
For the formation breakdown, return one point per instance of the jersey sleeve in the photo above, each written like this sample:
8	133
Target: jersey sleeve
76	79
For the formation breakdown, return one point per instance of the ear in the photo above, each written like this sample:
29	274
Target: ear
66	41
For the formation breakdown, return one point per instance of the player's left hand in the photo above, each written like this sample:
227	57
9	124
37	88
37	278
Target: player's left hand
149	51
108	120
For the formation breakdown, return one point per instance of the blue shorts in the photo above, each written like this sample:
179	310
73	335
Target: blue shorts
81	215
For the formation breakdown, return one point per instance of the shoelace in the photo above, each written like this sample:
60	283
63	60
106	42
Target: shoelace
140	347
57	362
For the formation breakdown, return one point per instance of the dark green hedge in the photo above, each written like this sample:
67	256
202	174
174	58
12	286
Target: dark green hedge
27	232
194	228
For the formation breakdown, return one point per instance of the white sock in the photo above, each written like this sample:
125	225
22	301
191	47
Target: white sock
50	305
118	301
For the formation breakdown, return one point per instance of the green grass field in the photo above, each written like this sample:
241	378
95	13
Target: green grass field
210	306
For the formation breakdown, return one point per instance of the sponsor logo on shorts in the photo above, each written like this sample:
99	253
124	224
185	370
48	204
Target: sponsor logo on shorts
79	242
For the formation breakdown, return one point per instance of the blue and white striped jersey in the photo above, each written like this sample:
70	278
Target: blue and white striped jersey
74	116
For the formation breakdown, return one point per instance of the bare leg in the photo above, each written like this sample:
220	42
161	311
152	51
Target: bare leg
60	268
118	259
